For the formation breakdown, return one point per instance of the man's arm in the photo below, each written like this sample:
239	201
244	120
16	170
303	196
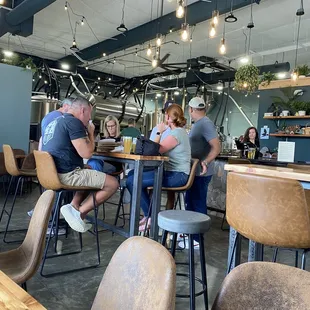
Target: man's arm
83	144
215	150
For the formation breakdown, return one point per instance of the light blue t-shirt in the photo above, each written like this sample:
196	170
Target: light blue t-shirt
180	155
164	135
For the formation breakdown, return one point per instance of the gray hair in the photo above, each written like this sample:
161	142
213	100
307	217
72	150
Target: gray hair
67	101
80	102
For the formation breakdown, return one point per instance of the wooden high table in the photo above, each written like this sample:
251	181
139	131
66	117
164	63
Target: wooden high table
140	162
12	296
255	249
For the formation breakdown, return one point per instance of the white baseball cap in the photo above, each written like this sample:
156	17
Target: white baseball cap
197	103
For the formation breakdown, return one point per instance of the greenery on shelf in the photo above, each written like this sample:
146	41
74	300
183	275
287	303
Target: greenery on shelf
267	78
303	70
247	78
24	62
292	102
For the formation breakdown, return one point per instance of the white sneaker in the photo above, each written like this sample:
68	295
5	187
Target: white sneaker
73	218
181	244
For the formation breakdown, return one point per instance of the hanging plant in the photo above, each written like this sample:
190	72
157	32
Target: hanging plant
16	60
247	78
267	78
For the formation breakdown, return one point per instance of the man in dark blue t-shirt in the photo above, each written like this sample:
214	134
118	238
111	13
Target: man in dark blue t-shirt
70	138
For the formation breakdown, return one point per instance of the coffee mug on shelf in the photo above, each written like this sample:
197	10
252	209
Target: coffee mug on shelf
285	113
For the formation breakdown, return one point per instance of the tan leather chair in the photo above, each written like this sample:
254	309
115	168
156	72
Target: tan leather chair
22	263
48	178
140	275
262	286
270	211
14	171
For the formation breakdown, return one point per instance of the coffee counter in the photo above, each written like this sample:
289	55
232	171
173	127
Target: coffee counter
217	188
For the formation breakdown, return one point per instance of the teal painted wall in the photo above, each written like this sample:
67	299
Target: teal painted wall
15	103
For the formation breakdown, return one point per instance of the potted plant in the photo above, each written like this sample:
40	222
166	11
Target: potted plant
16	60
267	78
247	78
300	107
302	71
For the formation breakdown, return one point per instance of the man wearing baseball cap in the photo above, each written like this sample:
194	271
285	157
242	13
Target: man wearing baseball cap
205	146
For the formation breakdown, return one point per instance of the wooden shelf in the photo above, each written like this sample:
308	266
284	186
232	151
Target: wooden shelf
287	117
288	135
286	83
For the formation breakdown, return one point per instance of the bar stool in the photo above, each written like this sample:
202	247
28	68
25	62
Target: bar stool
48	177
270	211
191	223
16	174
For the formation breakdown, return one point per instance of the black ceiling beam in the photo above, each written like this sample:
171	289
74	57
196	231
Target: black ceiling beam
196	13
19	20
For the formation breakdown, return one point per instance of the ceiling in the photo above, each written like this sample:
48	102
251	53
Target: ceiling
273	38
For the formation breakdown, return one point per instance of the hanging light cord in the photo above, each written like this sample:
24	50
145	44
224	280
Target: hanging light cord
297	41
252	11
123	11
246	42
231	7
249	45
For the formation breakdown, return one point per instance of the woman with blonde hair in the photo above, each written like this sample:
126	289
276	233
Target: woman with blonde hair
176	146
111	130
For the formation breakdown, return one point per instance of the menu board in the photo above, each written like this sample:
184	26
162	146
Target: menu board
286	151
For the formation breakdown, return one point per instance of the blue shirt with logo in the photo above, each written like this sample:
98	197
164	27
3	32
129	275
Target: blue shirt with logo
57	141
47	119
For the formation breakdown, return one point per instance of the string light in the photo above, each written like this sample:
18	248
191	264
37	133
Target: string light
180	9
104	54
223	47
154	62
215	17
245	85
158	40
212	32
149	50
184	32
294	76
86	68
66	6
82	21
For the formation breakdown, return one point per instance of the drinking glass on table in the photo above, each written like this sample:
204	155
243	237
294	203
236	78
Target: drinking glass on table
127	144
251	153
134	143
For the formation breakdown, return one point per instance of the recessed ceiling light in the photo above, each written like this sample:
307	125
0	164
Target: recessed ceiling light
7	53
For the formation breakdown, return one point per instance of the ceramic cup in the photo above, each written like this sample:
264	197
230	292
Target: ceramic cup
301	113
285	113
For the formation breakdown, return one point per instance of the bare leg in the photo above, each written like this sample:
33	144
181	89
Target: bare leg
170	200
110	187
78	198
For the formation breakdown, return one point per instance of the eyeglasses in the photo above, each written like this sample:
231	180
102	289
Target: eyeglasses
111	126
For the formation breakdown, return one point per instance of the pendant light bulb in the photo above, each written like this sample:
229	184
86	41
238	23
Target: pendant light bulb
185	32
212	32
82	22
215	17
149	50
223	47
66	6
158	40
180	9
154	62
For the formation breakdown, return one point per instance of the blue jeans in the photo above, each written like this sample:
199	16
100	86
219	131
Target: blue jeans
196	196
100	165
170	179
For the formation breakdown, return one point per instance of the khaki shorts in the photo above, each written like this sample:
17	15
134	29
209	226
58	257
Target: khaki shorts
83	177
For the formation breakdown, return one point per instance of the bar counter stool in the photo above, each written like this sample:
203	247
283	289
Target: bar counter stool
270	211
188	222
16	174
262	285
48	178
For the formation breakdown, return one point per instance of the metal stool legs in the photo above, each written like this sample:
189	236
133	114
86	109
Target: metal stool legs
55	233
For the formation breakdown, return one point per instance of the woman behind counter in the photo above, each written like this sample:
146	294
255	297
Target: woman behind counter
251	140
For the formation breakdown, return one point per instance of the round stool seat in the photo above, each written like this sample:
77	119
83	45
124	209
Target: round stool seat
182	221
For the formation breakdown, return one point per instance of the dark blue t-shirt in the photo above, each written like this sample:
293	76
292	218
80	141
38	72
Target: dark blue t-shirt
47	119
57	141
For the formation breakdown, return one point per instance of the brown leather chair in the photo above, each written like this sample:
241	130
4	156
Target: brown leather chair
15	173
262	285
270	211
48	178
22	263
140	275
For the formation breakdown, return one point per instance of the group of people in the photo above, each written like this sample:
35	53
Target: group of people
68	134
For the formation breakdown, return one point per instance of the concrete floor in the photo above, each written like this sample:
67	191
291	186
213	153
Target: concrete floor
77	290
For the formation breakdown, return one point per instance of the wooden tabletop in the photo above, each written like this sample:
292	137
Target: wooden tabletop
13	297
278	172
132	156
